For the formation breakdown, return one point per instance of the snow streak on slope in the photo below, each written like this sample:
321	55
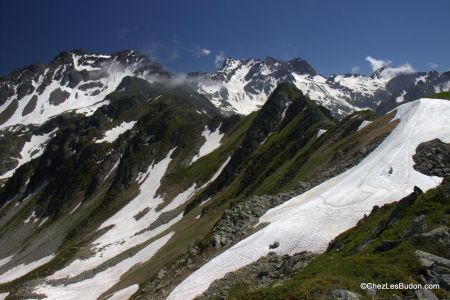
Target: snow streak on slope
92	288
22	269
113	134
31	150
5	260
125	293
311	220
125	227
320	132
212	142
363	124
3	296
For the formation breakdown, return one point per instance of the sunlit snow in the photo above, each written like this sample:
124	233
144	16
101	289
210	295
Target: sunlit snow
363	124
212	142
31	150
22	269
114	133
92	288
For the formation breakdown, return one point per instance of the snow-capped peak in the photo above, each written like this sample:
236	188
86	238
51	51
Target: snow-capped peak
71	81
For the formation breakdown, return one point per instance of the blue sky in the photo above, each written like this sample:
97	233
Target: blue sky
334	36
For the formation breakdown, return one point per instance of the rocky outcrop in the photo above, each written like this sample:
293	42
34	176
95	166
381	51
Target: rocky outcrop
270	269
433	158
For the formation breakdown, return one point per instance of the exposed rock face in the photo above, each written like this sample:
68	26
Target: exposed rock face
267	270
58	96
436	268
433	158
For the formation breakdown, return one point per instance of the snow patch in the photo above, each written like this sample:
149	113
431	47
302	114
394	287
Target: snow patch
31	150
32	216
92	288
401	98
180	199
212	142
75	208
43	221
320	132
422	78
125	293
22	269
3	296
90	110
363	124
217	173
5	260
116	164
113	134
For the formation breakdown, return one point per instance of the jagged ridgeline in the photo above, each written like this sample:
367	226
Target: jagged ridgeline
115	171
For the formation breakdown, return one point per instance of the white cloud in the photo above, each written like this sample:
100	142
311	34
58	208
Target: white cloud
355	69
390	72
433	66
219	59
377	63
205	51
198	51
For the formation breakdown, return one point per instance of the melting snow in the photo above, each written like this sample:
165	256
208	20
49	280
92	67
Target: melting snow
31	150
212	142
90	110
180	199
114	133
43	221
22	269
320	132
363	124
401	98
422	78
32	216
75	208
112	169
125	293
217	173
311	220
283	114
3	296
5	260
126	231
92	288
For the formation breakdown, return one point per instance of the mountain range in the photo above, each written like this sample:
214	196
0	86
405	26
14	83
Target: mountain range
263	180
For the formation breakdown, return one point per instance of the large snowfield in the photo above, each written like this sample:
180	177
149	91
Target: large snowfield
311	220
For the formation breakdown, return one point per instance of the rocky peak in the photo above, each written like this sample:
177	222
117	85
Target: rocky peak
301	66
